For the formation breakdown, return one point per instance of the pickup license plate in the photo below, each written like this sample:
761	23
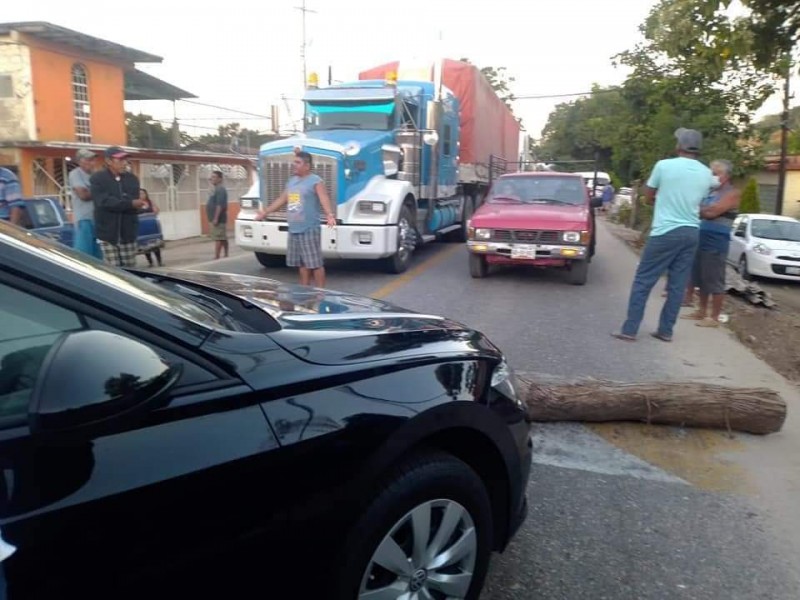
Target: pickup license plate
247	203
793	270
523	252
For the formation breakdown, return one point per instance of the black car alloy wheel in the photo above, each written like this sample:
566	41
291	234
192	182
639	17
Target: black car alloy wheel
427	534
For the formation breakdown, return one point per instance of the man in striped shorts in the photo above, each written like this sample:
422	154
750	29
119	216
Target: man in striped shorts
115	193
305	197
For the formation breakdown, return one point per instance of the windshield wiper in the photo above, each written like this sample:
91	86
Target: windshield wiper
346	126
551	200
505	198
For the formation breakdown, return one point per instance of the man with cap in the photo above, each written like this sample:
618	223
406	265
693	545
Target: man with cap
681	184
84	239
115	193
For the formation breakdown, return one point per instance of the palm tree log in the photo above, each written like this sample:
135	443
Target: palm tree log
685	404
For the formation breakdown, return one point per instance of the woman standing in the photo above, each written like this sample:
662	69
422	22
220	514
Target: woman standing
150	208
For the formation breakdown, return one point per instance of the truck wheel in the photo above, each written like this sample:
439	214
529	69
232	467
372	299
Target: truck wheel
406	241
426	534
578	272
460	235
271	260
478	267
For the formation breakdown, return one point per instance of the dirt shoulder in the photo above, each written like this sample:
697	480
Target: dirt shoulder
772	334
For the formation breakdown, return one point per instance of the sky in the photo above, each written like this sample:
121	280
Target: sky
247	55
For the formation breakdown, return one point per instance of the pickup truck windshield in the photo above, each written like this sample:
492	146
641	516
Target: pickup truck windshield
350	115
530	189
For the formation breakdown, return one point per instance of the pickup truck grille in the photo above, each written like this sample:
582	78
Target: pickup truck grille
526	236
276	170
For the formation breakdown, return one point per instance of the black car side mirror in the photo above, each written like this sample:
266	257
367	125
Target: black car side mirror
92	381
739	233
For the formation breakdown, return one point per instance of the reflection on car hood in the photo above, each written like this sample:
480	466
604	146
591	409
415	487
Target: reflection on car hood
330	327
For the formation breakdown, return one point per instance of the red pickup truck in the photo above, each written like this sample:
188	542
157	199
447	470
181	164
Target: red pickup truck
544	219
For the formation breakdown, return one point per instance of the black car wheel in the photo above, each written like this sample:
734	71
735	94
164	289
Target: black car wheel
578	272
427	534
743	271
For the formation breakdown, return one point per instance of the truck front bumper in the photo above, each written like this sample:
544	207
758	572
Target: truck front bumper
535	254
342	241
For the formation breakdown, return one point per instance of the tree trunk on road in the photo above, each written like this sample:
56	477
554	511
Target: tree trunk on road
690	404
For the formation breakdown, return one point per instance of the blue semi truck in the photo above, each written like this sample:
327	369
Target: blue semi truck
405	157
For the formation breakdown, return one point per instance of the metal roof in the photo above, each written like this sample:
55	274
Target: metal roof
141	86
61	35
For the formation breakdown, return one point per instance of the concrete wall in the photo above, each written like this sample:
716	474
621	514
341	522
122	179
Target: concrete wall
16	91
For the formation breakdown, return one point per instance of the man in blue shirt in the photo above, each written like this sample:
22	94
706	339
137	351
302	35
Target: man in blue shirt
608	196
11	203
305	197
681	184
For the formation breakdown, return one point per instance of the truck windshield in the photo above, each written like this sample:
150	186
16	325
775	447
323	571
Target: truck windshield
350	115
539	190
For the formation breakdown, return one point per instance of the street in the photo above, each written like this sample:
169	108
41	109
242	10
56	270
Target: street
618	511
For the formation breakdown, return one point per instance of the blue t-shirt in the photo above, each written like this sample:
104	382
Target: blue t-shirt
303	208
715	234
681	185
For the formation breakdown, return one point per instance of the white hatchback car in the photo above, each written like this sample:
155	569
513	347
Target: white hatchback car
766	246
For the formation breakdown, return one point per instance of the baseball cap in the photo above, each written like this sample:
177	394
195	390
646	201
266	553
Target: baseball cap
84	153
115	152
690	140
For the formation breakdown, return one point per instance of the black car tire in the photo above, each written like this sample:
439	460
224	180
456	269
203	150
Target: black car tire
271	260
432	476
578	272
743	270
478	266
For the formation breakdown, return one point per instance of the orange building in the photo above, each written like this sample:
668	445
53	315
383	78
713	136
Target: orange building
62	90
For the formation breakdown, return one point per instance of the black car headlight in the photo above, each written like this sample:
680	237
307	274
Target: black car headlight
504	382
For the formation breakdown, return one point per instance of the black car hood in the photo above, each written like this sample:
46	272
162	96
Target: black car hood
328	327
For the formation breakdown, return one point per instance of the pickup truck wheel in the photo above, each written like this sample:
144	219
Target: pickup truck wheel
271	260
426	534
578	272
478	266
406	242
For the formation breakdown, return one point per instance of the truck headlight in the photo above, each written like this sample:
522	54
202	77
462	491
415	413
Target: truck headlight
373	208
571	237
483	234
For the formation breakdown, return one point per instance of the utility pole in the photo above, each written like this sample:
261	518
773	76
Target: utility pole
304	10
784	139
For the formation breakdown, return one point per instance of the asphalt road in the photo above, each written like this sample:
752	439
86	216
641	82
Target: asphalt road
616	512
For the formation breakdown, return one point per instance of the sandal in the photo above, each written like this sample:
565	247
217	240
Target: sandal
708	322
695	316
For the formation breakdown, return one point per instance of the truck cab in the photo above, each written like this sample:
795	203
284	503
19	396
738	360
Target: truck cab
389	153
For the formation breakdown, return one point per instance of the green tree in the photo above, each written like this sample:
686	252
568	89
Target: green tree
234	137
145	132
750	202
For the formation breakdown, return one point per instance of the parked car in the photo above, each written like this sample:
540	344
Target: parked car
623	196
766	246
193	431
47	217
544	219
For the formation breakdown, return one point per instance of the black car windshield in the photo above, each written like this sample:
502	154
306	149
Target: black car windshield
181	305
775	229
530	189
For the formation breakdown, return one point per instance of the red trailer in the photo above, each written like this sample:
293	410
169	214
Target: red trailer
488	127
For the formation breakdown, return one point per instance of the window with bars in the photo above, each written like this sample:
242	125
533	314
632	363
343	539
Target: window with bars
80	103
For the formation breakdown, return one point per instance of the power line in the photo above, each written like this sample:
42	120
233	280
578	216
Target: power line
548	96
233	110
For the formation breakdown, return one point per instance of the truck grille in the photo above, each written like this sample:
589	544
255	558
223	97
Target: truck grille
526	236
276	170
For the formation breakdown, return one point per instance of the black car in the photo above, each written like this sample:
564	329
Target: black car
215	435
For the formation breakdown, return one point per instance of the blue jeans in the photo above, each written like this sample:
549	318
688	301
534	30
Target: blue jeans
672	253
